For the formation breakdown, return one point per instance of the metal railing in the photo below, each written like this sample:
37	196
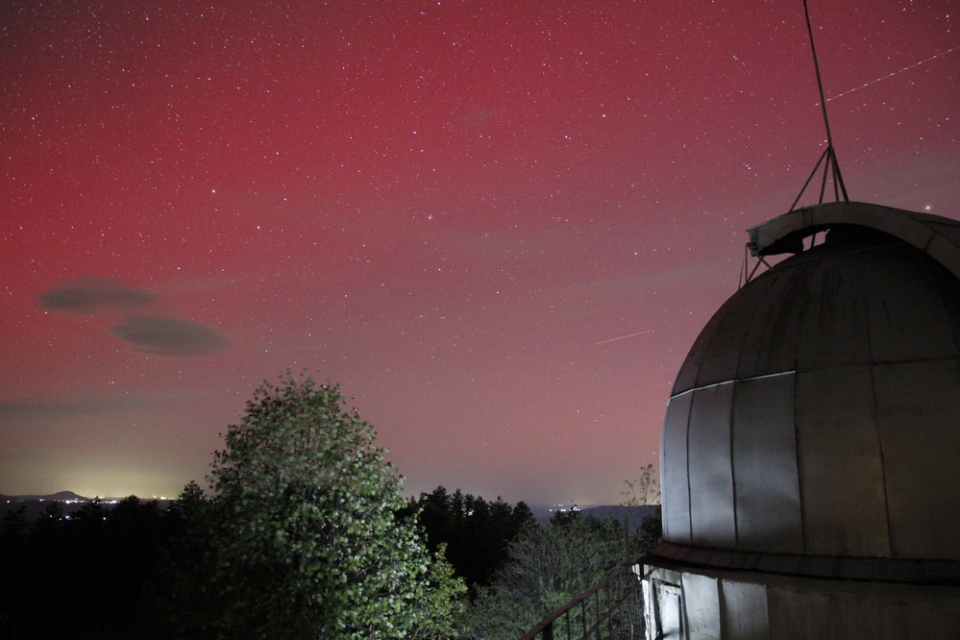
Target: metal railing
612	609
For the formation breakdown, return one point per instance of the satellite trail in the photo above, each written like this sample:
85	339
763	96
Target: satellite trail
907	68
639	333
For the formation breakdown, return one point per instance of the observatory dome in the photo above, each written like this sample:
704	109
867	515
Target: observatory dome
818	412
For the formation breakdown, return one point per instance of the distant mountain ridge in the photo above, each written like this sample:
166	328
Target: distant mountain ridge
636	515
71	502
542	513
61	496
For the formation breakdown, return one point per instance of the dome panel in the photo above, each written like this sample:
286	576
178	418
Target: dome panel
726	343
918	404
712	520
841	467
950	297
690	369
765	466
673	470
769	342
835	329
907	317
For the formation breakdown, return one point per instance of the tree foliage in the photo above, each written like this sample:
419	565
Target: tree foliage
644	490
302	539
474	532
546	568
101	557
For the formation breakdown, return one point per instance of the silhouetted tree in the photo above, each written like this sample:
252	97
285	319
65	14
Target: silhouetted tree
100	559
642	491
13	561
13	527
475	533
50	520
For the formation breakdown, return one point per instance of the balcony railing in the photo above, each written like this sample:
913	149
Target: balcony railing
612	609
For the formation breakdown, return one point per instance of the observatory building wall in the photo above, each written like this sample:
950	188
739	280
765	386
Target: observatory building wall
819	410
702	604
810	455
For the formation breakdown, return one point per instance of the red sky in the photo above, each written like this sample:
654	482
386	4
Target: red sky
453	209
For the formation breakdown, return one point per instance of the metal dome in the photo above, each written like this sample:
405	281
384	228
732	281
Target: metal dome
818	412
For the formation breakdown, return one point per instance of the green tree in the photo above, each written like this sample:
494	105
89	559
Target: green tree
546	568
644	490
644	493
304	540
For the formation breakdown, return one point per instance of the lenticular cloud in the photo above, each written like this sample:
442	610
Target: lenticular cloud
170	337
145	333
92	296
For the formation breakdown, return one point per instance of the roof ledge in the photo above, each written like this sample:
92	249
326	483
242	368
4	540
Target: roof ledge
936	236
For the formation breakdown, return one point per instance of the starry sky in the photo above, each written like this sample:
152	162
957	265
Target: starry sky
499	225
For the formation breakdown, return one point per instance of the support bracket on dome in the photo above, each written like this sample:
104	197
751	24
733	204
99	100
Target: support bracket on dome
746	273
831	168
936	236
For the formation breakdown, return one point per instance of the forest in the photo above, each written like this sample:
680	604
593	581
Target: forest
304	534
102	572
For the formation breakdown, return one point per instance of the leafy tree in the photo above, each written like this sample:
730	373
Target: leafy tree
444	600
302	540
651	531
546	568
644	490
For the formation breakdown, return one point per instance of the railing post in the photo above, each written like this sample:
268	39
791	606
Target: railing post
548	631
597	607
583	616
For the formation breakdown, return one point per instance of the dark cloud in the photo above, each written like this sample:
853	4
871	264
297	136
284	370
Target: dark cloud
170	337
90	296
154	335
51	407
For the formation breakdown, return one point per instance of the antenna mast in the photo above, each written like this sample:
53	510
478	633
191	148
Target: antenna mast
829	157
